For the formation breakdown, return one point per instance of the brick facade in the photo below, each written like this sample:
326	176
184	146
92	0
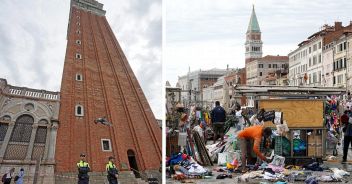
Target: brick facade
109	89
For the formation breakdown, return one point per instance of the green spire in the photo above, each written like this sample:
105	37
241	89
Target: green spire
253	25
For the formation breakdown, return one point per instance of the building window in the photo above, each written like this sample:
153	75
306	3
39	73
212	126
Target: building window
310	50
78	17
78	23
79	77
314	47
310	62
78	32
319	58
314	60
339	79
261	66
269	65
79	111
3	130
344	63
106	145
23	129
78	42
20	138
334	80
319	47
274	65
78	56
260	73
40	136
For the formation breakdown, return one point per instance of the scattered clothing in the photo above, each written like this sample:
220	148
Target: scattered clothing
276	169
311	180
223	176
278	161
314	167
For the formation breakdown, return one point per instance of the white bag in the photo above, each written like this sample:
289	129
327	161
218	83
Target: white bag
226	157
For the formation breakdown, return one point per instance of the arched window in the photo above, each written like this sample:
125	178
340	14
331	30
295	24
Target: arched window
78	56
79	111
3	130
23	129
78	42
79	77
20	138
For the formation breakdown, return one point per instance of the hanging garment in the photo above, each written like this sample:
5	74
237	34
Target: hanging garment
182	139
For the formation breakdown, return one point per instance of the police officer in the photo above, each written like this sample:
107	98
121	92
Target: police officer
83	169
112	171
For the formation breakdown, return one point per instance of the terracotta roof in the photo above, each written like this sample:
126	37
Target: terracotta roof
332	36
273	58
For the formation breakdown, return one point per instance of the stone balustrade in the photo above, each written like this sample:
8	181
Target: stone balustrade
33	93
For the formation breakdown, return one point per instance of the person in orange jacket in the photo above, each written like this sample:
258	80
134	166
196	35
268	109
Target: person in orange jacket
255	133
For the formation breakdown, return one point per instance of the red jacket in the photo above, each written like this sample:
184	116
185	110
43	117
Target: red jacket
344	119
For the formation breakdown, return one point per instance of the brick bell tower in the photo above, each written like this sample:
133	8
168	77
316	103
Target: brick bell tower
98	82
253	43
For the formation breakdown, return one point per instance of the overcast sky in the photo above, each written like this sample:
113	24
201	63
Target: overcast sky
211	33
33	42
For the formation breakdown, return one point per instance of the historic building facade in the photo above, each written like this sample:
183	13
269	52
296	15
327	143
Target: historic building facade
253	44
28	129
322	59
259	69
195	82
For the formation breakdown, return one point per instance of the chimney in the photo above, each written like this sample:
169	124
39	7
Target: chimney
338	26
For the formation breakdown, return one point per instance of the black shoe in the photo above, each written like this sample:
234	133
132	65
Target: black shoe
344	161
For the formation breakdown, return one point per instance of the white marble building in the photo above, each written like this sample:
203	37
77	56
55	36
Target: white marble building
28	127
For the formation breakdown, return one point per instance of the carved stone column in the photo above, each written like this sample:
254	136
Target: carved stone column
47	142
6	139
31	142
52	145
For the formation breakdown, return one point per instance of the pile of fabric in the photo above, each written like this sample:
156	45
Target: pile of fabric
182	166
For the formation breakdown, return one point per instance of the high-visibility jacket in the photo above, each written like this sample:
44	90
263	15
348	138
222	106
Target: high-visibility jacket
83	169
112	170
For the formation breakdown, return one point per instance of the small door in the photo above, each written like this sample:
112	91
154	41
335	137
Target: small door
133	163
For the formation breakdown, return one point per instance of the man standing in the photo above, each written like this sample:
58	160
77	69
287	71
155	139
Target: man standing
6	178
218	118
112	171
253	133
346	122
83	169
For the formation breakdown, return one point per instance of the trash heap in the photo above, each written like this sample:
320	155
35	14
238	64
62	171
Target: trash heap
196	159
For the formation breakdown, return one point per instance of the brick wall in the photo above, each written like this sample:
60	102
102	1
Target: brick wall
109	88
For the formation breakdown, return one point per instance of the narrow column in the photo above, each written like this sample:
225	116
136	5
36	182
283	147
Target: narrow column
52	145
6	139
47	142
31	142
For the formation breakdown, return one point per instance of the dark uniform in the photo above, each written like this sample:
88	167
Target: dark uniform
83	169
112	171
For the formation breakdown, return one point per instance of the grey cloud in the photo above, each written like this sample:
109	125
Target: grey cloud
41	27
